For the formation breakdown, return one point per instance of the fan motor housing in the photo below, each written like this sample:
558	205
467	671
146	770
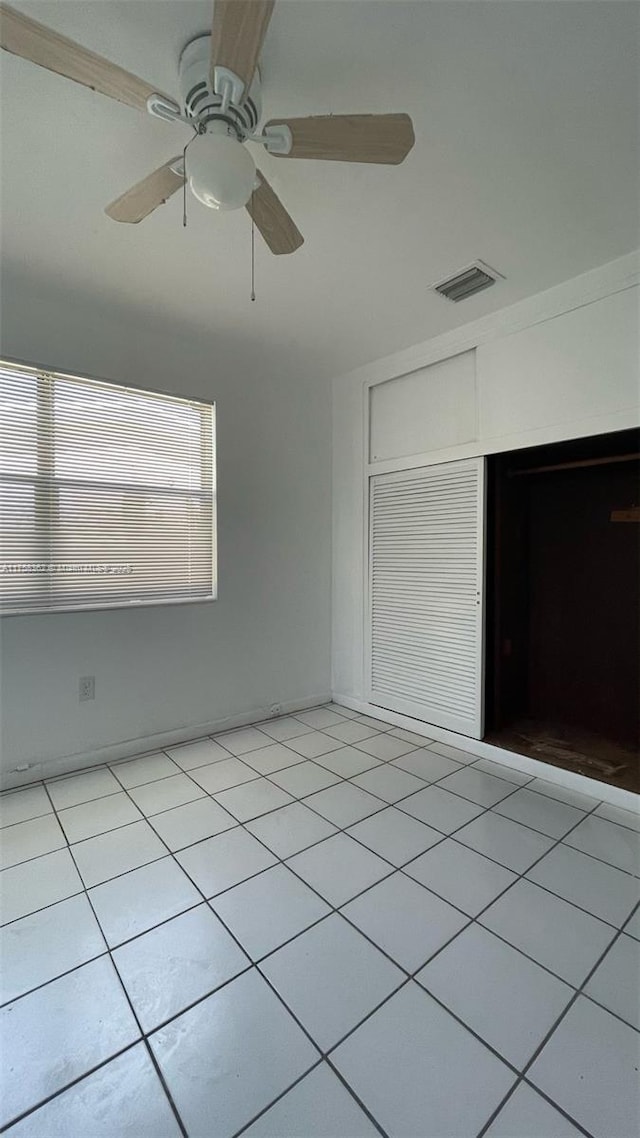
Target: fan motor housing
200	102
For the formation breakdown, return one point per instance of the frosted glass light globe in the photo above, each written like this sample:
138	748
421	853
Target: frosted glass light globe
220	170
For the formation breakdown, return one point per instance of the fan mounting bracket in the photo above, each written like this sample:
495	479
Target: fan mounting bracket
162	108
277	139
221	97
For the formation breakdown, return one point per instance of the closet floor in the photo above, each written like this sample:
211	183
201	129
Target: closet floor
574	749
320	926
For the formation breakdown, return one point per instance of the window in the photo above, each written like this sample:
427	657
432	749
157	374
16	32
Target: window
107	494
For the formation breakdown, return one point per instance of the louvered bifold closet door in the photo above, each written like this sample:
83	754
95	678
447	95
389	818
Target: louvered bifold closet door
426	594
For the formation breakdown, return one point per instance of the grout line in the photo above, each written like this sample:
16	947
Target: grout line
359	1101
245	1126
9	825
601	861
333	909
412	976
50	905
397	805
578	992
201	999
518	786
503	1102
74	1082
176	805
338	830
59	975
142	1038
152	1057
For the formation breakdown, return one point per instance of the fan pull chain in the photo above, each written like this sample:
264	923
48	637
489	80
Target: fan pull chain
184	186
253	254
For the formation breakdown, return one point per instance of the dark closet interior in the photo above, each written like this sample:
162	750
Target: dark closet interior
563	605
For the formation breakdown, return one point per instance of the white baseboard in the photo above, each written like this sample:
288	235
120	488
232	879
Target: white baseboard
127	748
601	791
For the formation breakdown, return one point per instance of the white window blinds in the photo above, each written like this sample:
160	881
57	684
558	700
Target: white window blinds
107	494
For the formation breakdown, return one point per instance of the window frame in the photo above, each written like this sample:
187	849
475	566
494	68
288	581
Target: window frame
43	534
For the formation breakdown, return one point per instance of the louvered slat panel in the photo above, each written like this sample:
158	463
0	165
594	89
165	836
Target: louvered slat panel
425	568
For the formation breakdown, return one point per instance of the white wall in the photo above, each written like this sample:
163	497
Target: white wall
563	364
159	670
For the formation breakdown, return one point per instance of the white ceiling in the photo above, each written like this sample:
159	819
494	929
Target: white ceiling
526	155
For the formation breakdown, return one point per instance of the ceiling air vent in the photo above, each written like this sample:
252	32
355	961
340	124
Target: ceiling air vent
468	281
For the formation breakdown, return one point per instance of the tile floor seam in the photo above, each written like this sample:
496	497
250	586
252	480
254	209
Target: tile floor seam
10	825
334	909
409	975
484	1044
145	1035
539	1049
556	842
88	769
43	908
384	803
601	861
338	910
166	777
604	1008
321	1061
111	830
567	900
359	1101
252	965
579	992
360	715
472	767
74	1082
614	822
483	810
164	751
125	992
116	876
344	830
545	794
130	1004
476	920
523	877
254	1118
410	979
268	741
258	775
59	975
521	1081
278	770
429	744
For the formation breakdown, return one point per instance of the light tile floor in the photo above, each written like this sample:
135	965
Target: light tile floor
317	927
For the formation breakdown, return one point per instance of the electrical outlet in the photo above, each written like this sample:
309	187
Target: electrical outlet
275	709
87	688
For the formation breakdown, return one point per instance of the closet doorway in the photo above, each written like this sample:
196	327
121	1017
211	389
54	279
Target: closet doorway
563	605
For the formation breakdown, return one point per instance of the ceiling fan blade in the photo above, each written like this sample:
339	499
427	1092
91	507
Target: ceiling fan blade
349	138
239	28
269	215
39	44
141	200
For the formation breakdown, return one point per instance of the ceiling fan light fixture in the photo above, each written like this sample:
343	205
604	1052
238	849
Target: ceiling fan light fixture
220	171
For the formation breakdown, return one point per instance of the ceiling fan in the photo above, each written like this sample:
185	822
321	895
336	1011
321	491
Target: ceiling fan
220	100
